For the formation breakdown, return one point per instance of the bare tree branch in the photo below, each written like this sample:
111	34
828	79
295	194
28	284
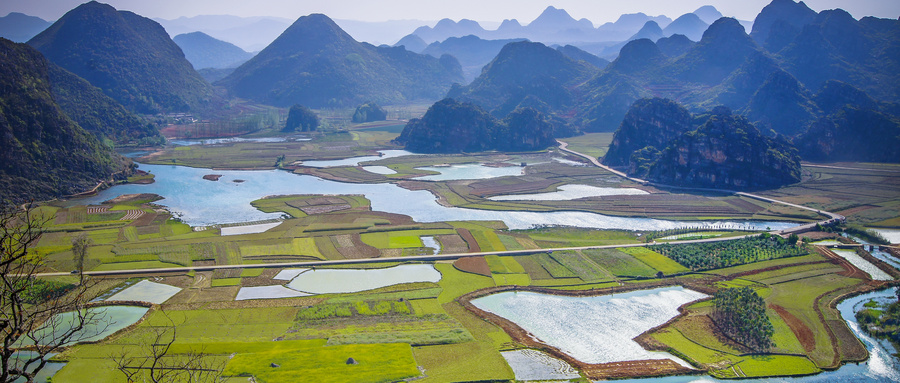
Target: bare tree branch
42	325
156	363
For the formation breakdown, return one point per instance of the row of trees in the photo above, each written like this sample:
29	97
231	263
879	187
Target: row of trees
741	314
714	255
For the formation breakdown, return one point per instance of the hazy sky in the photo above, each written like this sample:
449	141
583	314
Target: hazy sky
598	11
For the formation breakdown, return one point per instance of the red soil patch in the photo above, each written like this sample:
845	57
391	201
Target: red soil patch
800	330
470	240
474	265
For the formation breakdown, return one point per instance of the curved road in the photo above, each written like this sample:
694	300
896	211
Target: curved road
832	218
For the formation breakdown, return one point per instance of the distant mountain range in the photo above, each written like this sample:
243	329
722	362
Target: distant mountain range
316	64
20	27
775	90
472	52
205	51
556	26
129	57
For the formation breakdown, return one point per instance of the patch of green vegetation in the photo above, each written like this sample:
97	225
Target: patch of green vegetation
228	348
714	255
581	266
655	260
400	239
511	279
619	263
548	237
250	273
375	363
775	365
219	282
456	283
553	267
224	325
423	307
134	265
692	350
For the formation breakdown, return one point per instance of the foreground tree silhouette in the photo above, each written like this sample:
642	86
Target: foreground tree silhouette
155	362
35	316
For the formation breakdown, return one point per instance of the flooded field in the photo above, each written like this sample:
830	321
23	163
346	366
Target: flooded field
199	202
329	281
229	140
892	235
268	292
570	192
110	320
592	329
384	170
146	291
469	172
248	229
355	161
535	365
432	243
863	264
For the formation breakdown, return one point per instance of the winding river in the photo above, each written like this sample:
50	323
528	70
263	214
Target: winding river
199	202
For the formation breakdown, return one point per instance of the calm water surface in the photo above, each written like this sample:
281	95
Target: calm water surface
328	281
592	329
570	192
354	161
469	172
199	202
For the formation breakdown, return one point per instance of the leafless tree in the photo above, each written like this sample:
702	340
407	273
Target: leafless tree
40	325
154	362
80	245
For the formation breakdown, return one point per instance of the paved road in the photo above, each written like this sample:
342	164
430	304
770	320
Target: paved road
438	257
562	146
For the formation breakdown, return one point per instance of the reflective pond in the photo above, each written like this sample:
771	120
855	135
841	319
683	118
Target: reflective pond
330	281
862	264
595	329
228	140
469	172
146	291
199	202
109	319
570	192
355	161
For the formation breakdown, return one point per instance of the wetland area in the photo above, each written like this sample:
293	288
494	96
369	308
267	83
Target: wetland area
463	267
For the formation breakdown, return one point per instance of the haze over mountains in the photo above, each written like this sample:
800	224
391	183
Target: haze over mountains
315	63
823	82
129	57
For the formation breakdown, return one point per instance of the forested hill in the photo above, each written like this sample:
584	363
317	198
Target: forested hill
97	113
43	153
660	141
315	63
450	126
131	58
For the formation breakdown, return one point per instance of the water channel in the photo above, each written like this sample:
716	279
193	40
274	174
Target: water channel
199	202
